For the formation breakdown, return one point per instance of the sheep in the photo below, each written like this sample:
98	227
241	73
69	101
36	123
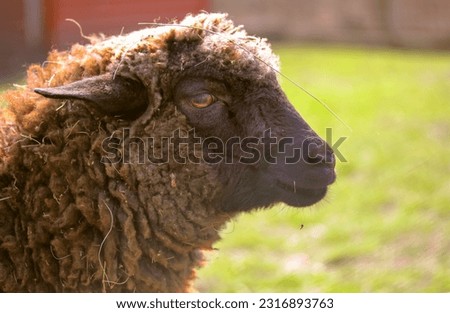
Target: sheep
81	209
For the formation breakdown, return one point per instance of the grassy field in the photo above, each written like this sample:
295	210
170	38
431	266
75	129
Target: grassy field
385	225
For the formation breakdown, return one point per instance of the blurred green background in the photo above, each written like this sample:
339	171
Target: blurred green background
385	224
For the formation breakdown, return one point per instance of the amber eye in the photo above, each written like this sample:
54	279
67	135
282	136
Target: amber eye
203	100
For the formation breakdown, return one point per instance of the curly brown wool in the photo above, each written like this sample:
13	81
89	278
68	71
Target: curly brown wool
71	221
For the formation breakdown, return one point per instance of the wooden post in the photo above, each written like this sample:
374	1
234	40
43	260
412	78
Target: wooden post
33	24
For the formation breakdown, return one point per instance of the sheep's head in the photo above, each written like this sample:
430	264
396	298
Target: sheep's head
225	84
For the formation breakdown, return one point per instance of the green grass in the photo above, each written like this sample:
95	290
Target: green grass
385	225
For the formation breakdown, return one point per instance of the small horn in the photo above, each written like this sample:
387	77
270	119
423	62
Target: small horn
112	95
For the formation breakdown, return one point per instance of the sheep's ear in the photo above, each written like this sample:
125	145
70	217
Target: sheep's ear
112	95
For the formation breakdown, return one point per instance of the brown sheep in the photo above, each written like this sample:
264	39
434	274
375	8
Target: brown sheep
92	195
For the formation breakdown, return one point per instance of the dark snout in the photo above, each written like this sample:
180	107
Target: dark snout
303	163
296	167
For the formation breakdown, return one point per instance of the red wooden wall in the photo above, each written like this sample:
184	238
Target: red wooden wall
29	28
12	37
109	16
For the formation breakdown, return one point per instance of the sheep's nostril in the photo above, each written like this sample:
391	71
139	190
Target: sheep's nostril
317	152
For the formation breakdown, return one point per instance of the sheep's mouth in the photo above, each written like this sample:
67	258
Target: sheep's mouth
299	196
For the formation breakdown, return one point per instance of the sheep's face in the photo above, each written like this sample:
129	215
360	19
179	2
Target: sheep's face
262	149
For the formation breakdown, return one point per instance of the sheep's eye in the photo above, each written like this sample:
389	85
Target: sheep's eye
203	100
